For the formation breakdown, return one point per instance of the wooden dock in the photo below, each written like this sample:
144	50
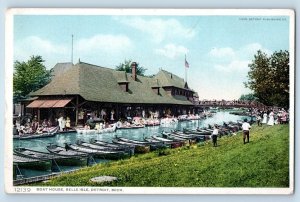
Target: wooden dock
40	178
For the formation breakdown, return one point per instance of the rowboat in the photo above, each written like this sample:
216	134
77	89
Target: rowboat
138	148
158	142
168	121
174	144
111	145
50	132
196	132
132	126
31	163
103	154
56	159
153	146
74	157
105	147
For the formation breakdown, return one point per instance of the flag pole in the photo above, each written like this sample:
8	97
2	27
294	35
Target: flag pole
185	74
72	50
185	68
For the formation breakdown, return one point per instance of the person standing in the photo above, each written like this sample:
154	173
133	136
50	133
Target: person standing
271	119
265	117
258	119
214	136
60	123
246	130
68	123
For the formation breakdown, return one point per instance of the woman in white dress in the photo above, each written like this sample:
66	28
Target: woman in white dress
271	119
265	117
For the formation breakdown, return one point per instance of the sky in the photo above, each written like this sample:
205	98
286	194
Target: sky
217	48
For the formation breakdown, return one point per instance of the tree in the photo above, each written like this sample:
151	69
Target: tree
269	78
248	97
126	66
29	76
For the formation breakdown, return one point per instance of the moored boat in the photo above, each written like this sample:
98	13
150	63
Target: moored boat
138	148
50	132
153	145
103	154
56	159
71	157
31	163
174	144
105	147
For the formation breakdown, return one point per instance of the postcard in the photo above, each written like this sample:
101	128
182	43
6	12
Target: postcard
149	101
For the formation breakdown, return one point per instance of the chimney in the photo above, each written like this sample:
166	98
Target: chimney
133	70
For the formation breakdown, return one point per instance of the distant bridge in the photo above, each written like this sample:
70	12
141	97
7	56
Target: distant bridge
230	104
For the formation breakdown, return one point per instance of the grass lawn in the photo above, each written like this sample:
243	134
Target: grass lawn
264	162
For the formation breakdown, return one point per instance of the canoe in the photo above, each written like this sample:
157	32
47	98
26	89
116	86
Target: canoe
50	133
31	163
113	155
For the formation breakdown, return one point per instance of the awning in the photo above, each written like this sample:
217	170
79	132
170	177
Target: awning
61	103
49	103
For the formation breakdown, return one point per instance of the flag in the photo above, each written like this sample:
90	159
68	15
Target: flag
186	63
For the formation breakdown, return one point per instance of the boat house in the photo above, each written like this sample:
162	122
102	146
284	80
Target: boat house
84	90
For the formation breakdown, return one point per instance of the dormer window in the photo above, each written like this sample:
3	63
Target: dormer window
156	90
124	86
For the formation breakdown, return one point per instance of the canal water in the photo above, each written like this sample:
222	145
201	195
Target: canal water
137	134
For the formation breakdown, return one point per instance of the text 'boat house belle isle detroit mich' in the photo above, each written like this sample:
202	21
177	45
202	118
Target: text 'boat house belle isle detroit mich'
81	89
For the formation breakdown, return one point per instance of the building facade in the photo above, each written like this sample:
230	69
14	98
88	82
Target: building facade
84	90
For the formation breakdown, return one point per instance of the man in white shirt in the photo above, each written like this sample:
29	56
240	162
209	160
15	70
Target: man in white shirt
246	127
215	136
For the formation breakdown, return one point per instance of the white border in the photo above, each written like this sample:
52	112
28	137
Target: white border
9	188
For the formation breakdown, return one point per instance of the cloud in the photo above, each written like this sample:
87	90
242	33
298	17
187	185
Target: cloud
172	51
222	52
34	45
93	48
235	65
226	59
251	49
158	29
104	43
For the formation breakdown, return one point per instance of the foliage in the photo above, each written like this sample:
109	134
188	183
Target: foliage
29	76
126	66
269	78
248	97
264	162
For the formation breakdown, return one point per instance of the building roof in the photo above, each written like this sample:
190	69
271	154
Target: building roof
60	68
101	84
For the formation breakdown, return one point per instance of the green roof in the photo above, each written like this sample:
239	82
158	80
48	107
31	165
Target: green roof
101	84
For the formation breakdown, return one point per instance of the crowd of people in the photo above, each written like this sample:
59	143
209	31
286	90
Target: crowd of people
32	126
271	117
